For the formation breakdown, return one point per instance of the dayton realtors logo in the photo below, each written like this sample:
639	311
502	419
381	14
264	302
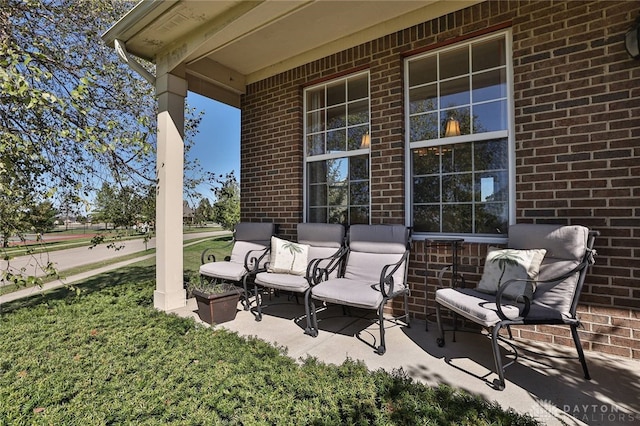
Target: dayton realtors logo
601	414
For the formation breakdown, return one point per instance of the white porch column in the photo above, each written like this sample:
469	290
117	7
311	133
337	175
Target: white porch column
171	92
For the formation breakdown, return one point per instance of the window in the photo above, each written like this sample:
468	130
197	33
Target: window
337	151
458	113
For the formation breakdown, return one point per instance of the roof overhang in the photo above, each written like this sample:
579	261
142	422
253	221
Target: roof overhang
221	46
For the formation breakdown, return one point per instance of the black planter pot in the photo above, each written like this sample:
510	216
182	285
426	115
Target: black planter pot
216	308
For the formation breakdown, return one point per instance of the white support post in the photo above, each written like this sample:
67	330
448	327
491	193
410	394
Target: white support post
171	91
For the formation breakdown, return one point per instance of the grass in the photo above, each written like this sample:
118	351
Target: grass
106	356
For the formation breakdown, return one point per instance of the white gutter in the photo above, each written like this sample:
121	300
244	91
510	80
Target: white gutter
128	59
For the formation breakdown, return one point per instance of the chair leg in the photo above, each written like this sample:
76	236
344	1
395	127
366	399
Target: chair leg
310	310
246	293
496	356
258	300
583	361
407	318
382	348
440	339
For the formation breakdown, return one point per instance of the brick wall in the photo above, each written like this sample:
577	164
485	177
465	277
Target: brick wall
577	103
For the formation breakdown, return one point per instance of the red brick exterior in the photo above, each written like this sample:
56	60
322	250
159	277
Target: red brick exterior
577	125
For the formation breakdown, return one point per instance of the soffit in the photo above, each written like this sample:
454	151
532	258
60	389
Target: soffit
253	40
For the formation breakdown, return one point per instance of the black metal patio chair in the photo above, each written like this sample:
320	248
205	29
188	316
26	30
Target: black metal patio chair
250	243
545	295
374	272
323	244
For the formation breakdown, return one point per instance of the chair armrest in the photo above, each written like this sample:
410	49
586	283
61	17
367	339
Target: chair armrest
253	259
386	278
499	294
316	274
585	263
204	258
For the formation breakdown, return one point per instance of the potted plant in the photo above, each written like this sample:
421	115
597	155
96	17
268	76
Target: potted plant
217	302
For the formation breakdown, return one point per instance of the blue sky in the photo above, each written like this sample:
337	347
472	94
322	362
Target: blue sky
217	145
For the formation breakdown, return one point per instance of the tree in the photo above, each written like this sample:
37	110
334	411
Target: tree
227	206
72	116
123	207
203	212
41	217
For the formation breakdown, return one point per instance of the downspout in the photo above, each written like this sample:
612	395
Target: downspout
128	59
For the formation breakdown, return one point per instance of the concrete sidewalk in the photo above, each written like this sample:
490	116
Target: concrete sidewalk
543	383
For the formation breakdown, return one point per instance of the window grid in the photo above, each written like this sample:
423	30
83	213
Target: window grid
483	187
337	166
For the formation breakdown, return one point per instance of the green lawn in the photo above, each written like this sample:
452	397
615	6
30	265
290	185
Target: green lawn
106	356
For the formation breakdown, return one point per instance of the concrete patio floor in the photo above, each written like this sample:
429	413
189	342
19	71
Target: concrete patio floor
550	387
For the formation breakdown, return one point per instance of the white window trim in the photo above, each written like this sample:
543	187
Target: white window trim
509	134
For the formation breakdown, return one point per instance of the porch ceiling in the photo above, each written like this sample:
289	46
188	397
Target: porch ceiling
223	45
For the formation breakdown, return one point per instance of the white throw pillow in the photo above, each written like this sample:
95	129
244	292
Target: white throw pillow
503	265
288	257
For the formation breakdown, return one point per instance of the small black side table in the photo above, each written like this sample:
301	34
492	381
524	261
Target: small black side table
455	245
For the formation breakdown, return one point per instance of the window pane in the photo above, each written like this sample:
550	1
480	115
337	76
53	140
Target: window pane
318	215
318	195
455	93
358	88
457	218
454	62
337	195
426	160
355	137
464	120
492	218
359	167
491	187
337	215
336	141
423	127
315	121
491	155
358	113
490	85
317	172
423	99
457	188
359	193
336	94
315	144
315	99
426	189
426	218
336	117
337	172
359	215
488	54
424	70
456	158
490	117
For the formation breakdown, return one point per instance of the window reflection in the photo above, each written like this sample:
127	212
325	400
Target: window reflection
461	187
340	188
454	63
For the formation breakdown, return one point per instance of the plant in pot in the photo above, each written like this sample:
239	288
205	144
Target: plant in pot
217	302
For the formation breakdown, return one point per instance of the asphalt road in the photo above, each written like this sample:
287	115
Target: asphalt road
31	265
